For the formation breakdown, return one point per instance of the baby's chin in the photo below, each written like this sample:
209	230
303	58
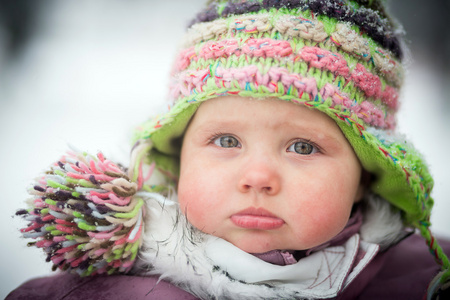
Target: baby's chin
256	246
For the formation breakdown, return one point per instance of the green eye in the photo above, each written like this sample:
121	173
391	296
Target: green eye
226	141
302	148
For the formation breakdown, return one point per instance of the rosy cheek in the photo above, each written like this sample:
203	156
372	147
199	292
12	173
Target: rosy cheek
194	204
320	215
333	219
186	192
323	225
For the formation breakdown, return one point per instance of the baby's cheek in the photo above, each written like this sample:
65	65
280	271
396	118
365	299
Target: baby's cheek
192	206
318	221
333	219
186	197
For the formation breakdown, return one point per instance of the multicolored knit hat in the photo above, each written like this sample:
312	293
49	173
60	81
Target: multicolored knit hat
341	57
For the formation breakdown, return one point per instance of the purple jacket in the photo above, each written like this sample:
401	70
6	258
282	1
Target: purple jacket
402	272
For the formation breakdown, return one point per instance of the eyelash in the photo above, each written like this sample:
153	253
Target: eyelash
316	148
213	139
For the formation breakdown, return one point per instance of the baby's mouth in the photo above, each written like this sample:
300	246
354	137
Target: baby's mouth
256	218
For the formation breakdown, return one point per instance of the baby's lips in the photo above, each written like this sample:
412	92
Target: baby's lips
256	218
257	222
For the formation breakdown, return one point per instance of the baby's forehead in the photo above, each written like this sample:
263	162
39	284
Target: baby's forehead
239	113
238	108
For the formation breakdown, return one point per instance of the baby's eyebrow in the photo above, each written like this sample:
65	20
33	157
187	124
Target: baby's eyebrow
209	129
219	125
307	127
302	130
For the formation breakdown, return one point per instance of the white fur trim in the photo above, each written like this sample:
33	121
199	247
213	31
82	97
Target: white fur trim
381	224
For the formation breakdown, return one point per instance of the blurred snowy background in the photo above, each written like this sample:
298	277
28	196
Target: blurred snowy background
87	72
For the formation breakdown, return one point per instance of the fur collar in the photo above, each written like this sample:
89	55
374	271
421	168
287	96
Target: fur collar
211	268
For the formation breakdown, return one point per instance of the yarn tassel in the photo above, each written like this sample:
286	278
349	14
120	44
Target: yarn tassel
439	288
85	213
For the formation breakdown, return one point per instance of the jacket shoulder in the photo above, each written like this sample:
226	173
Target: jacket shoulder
70	287
404	271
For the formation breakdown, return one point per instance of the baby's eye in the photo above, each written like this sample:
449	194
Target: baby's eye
226	141
302	148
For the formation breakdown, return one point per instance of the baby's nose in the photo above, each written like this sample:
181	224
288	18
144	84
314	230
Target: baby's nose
260	177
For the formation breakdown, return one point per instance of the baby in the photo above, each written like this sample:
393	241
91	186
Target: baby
278	173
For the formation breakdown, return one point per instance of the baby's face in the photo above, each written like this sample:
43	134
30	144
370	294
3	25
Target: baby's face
267	174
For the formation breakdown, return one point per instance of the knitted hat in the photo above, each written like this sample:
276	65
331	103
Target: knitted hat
341	57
